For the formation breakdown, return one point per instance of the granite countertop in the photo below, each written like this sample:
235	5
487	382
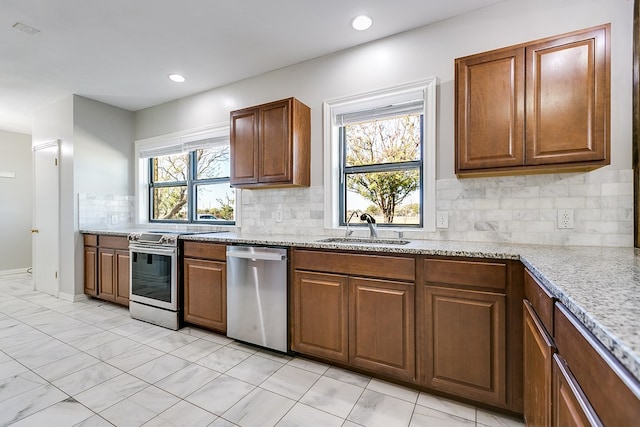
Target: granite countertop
599	285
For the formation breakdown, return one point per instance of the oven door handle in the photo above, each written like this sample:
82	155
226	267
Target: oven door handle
152	251
264	256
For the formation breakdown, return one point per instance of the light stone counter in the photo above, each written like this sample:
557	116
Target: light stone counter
599	285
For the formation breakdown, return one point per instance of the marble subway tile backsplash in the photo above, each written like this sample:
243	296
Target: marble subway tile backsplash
524	209
510	209
302	211
105	211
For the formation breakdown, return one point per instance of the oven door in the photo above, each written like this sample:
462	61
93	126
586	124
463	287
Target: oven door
154	276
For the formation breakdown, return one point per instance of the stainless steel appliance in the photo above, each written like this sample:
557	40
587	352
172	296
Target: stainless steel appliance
257	296
154	278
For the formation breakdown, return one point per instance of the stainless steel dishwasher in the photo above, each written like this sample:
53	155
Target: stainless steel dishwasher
257	296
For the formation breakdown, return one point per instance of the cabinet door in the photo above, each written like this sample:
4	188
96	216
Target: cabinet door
381	332
90	271
567	110
538	349
465	343
275	142
490	110
106	274
122	288
244	146
205	293
570	405
320	315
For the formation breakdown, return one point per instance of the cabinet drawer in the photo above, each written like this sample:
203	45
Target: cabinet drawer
466	273
541	300
114	242
90	240
212	251
386	267
609	387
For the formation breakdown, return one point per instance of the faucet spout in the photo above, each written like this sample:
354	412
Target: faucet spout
347	231
371	222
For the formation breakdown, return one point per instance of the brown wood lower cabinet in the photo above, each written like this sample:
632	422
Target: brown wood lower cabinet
321	315
465	343
571	407
538	352
106	268
364	322
91	270
113	275
381	327
205	293
204	276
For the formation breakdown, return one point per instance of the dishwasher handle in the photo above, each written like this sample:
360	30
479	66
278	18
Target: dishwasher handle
265	256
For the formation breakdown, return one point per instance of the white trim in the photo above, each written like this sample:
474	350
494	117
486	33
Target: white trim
183	138
353	102
14	271
71	297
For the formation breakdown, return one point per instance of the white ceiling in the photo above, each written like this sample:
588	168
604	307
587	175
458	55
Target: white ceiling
121	51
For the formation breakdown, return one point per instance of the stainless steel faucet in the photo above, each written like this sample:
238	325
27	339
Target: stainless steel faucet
348	232
371	222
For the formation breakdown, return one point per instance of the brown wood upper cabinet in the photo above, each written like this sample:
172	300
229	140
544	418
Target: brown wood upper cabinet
540	106
270	145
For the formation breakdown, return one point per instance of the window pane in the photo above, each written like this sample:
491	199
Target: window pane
215	202
390	140
170	203
170	168
390	197
212	162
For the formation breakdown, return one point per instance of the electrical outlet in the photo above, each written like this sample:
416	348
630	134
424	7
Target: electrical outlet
278	215
442	220
114	219
565	218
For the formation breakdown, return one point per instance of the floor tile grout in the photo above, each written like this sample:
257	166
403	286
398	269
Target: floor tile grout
316	401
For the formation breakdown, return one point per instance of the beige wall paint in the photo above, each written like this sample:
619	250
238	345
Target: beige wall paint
16	200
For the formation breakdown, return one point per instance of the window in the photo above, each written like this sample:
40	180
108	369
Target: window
191	187
381	148
185	179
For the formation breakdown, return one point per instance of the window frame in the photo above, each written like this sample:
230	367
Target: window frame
174	143
333	201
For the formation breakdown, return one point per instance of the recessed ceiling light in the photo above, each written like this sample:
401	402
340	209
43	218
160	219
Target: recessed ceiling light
361	22
178	78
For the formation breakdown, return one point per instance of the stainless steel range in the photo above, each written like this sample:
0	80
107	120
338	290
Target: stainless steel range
154	278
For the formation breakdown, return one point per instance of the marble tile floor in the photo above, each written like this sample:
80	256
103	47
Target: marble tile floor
89	364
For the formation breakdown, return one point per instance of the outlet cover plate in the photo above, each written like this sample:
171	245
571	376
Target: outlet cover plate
565	218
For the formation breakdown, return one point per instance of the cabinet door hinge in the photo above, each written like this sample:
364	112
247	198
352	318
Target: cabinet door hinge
55	161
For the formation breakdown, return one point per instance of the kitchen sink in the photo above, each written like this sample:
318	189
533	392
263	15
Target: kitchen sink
364	241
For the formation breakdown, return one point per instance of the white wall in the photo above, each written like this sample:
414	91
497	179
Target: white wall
425	52
16	202
509	209
96	157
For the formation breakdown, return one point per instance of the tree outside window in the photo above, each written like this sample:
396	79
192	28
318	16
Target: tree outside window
382	169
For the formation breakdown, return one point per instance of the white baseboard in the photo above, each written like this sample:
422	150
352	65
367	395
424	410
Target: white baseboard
71	297
15	271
